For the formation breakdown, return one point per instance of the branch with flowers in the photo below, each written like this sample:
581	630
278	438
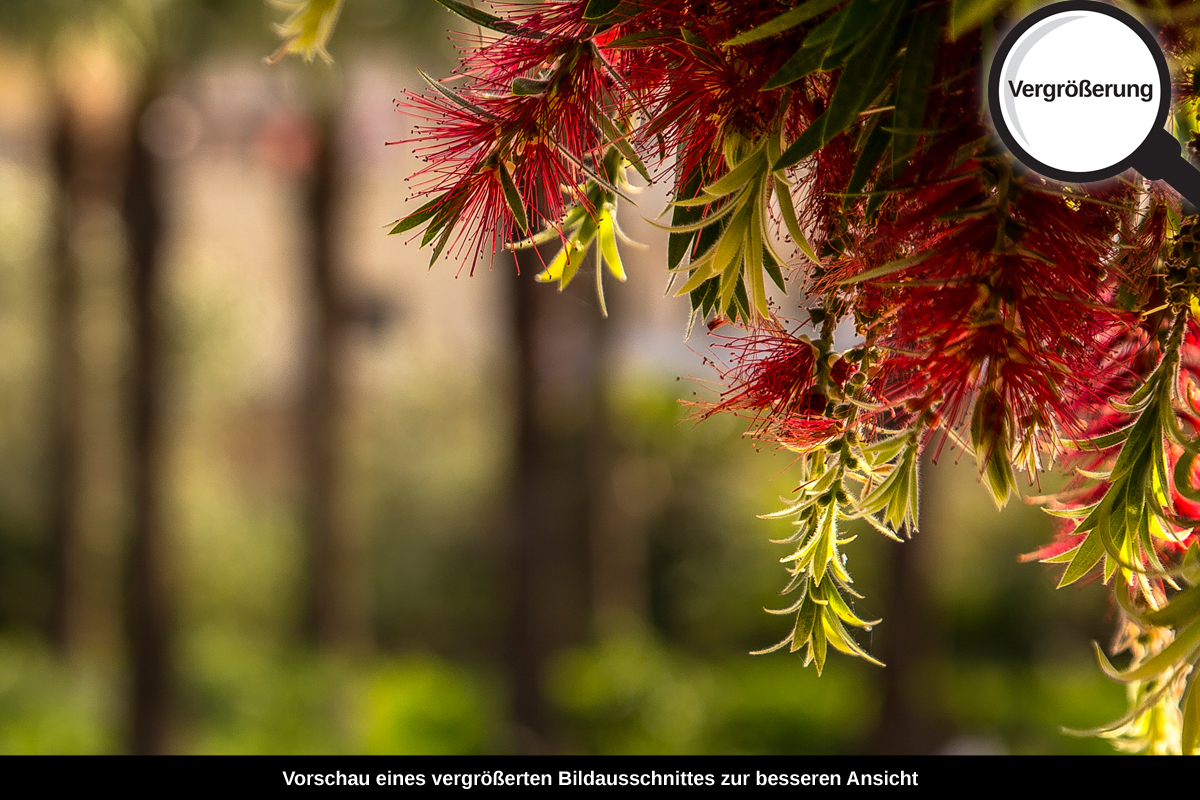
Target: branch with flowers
838	149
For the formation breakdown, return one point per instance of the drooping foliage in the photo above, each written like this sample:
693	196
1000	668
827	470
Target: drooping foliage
839	150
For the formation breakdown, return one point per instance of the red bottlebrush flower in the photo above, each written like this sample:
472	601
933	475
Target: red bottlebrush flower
499	162
473	183
979	298
805	432
772	375
774	381
697	90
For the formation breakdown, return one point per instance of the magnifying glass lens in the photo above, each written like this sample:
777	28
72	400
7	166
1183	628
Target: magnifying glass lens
1080	91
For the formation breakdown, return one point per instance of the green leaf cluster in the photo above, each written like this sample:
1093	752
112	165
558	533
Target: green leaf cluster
1120	534
591	221
725	224
843	481
1119	531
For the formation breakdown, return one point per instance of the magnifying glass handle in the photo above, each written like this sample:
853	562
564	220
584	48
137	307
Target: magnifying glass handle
1159	158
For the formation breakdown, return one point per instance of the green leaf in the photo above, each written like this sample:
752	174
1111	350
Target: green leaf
695	42
639	39
511	196
967	15
755	289
599	9
730	246
704	297
606	236
739	308
818	644
750	167
706	239
702	271
1182	610
776	276
1137	447
575	255
806	620
704	222
456	98
838	604
1189	739
856	88
486	20
1183	477
678	243
1107	440
887	269
803	62
841	639
1086	557
873	150
912	88
441	245
1178	651
811	54
571	220
857	32
419	216
785	21
621	142
792	222
1063	557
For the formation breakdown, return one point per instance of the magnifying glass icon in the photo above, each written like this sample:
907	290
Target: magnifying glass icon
1079	91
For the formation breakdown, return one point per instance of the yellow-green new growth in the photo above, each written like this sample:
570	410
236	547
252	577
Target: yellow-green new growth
306	31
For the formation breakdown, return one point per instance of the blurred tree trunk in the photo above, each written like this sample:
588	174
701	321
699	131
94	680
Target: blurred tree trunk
617	557
150	608
66	471
557	370
911	636
336	609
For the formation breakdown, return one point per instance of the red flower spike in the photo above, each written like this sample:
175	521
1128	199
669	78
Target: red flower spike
772	376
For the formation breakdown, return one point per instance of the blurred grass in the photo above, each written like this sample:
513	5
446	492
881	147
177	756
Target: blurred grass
636	696
48	707
631	695
244	698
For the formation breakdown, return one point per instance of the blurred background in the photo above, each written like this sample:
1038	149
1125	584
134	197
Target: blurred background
268	484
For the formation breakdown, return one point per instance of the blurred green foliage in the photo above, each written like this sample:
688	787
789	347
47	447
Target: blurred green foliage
636	695
244	698
48	707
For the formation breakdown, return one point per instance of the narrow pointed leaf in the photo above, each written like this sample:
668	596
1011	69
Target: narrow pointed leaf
803	62
1189	739
785	21
1086	557
737	178
916	76
856	87
1183	609
455	97
1178	651
486	20
888	268
511	196
599	9
608	245
419	216
872	151
791	221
